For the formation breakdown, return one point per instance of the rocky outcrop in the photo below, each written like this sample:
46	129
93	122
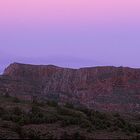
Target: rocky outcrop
30	72
103	88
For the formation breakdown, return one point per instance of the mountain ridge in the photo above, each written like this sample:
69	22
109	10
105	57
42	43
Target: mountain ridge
48	65
103	88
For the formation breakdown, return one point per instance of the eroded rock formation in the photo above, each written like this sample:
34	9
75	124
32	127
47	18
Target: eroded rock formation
103	88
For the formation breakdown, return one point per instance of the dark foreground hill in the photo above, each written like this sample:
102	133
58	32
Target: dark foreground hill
99	88
33	120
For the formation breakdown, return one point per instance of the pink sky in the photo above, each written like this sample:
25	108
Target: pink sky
68	11
105	31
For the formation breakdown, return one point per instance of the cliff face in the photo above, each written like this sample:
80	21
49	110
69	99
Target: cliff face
30	72
102	88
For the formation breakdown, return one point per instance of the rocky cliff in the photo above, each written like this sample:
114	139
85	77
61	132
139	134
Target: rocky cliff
101	88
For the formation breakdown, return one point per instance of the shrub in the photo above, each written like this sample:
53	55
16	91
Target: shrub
118	123
16	111
84	110
6	95
69	105
50	118
70	112
6	116
85	124
34	100
65	136
16	100
1	111
137	128
35	110
24	119
69	120
100	115
35	115
34	135
78	136
117	115
99	124
130	128
52	103
15	118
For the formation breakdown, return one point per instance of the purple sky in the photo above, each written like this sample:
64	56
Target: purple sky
74	33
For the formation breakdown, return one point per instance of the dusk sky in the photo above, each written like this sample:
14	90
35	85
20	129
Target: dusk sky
70	33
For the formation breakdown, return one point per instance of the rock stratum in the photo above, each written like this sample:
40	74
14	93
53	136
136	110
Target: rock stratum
101	88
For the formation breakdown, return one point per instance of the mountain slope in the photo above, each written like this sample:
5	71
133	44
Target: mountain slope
27	120
101	88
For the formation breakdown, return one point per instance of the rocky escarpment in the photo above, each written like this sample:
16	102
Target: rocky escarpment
102	88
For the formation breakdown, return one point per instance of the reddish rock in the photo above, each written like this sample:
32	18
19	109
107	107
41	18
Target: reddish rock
103	88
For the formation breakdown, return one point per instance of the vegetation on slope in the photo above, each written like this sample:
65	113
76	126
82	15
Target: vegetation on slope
24	119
